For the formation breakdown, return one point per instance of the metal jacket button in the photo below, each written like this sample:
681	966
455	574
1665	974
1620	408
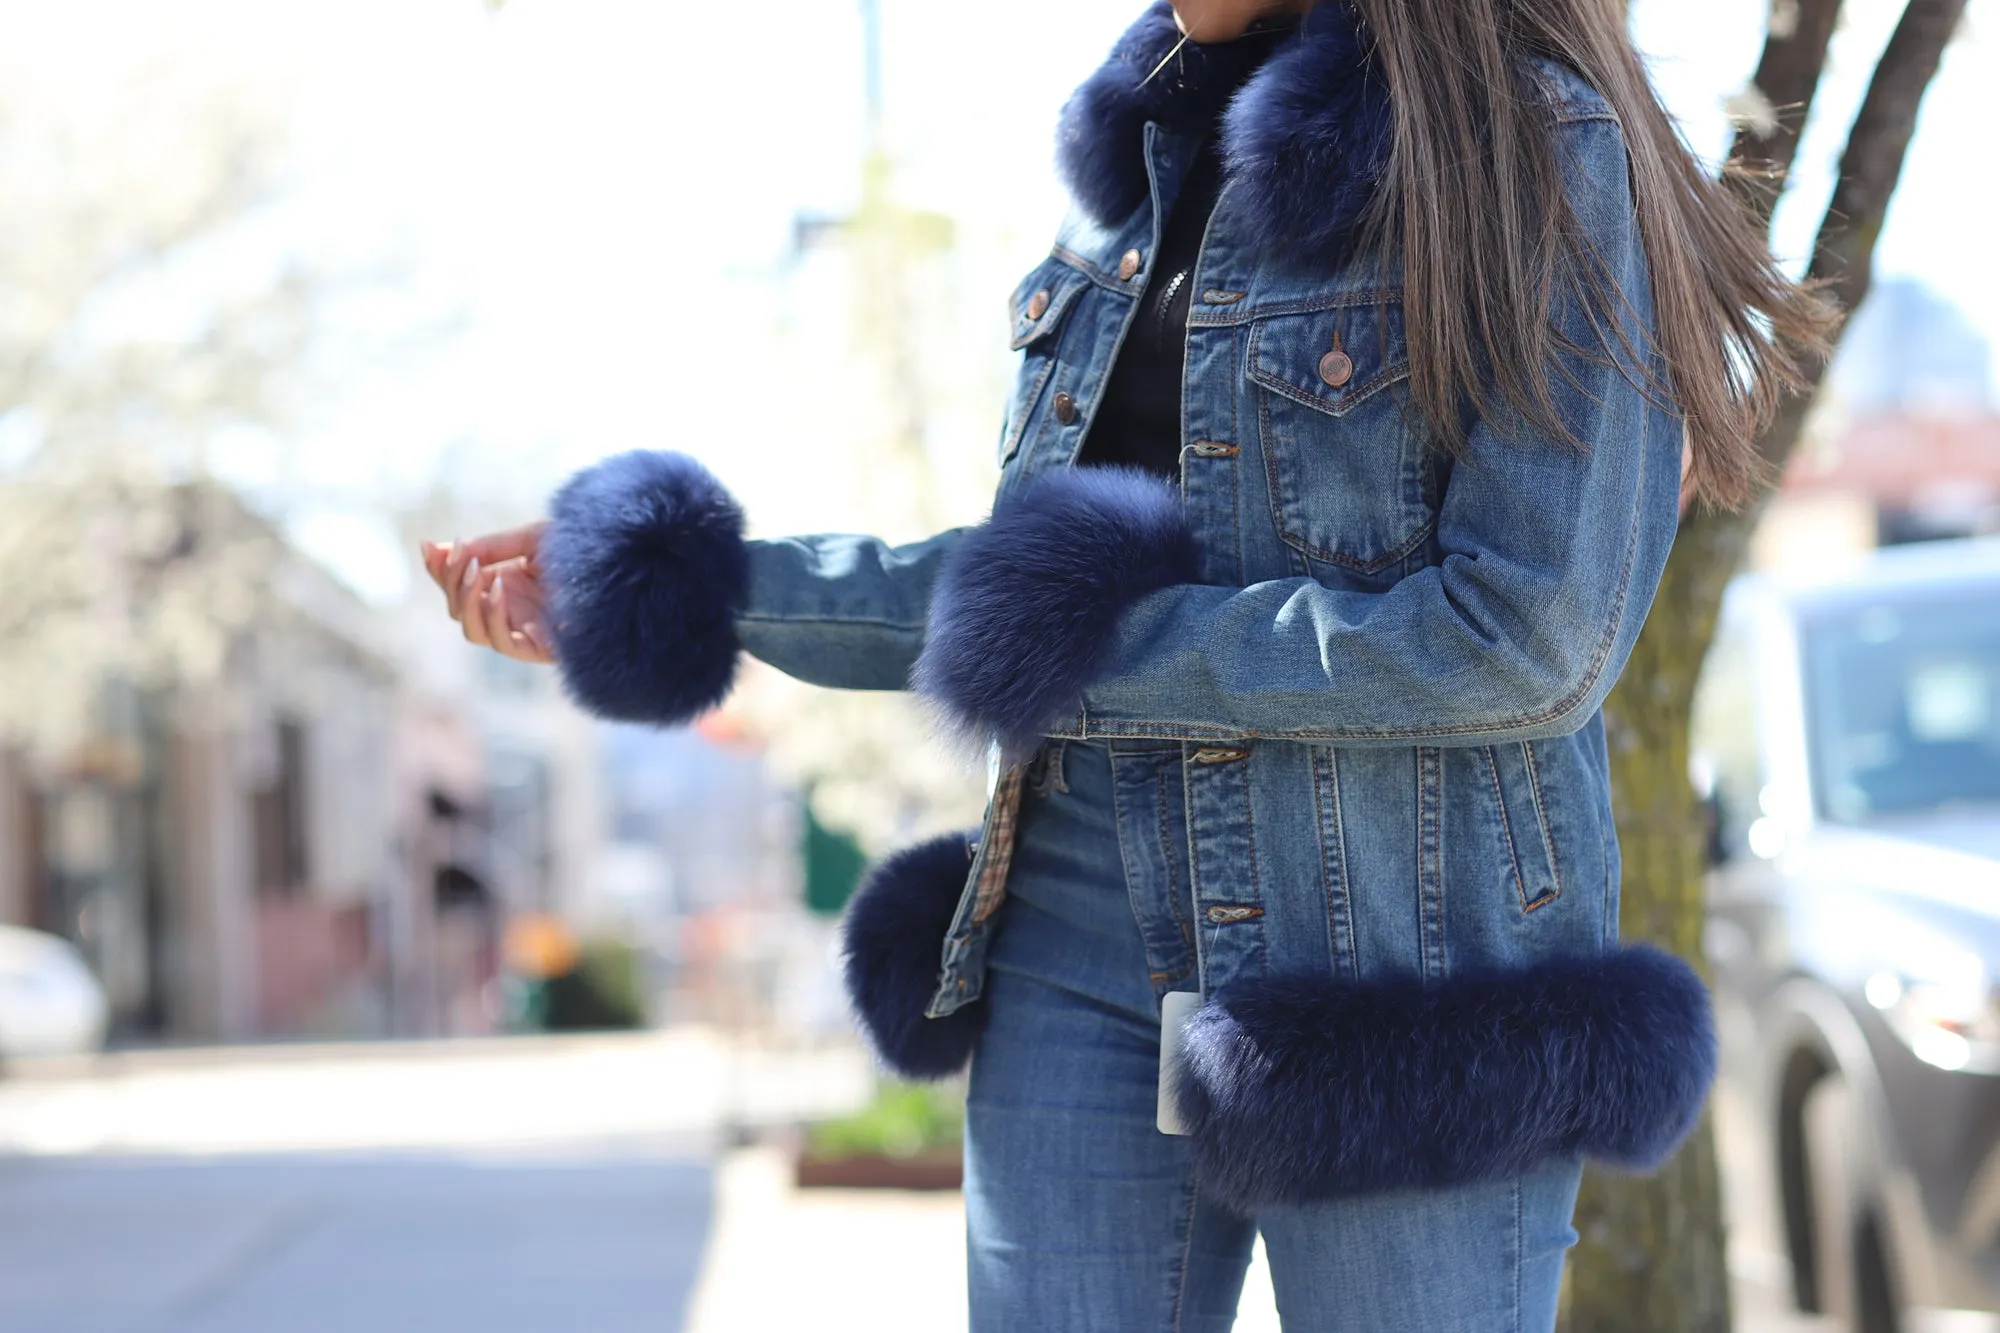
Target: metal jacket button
1336	368
1065	409
1038	305
1128	267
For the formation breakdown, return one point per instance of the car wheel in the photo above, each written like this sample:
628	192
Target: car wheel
1854	1278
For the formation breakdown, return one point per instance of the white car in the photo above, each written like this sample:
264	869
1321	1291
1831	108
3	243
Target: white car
50	1003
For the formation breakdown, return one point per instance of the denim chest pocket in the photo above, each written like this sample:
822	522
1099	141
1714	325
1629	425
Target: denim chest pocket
1350	480
1039	308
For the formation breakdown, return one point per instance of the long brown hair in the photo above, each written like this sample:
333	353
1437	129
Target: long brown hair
1475	197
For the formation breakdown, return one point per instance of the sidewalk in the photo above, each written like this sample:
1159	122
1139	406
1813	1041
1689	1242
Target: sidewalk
852	1261
849	1261
374	1186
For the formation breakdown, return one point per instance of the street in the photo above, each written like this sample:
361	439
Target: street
581	1184
497	1186
597	1241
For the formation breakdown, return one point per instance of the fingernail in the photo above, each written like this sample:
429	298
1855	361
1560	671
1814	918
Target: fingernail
536	635
471	573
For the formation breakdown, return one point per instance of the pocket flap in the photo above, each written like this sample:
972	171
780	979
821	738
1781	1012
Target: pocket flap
1042	300
1330	359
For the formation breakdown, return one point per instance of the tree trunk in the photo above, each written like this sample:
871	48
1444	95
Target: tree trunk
1652	1253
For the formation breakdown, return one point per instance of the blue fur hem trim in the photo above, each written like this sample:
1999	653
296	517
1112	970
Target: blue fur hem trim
1298	1090
1025	612
893	945
645	568
1306	125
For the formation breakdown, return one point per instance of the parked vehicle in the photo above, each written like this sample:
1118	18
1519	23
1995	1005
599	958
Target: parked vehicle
1848	733
50	1004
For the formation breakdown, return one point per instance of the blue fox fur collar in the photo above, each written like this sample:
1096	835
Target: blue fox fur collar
1305	125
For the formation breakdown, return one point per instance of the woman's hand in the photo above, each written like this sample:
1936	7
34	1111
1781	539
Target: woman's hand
493	588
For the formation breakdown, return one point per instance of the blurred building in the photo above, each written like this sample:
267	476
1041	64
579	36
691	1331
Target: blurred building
1907	445
1918	474
313	839
218	846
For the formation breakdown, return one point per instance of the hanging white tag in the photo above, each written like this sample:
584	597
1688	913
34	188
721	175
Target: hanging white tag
1175	1010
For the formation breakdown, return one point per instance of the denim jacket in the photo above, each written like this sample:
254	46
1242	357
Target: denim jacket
1385	665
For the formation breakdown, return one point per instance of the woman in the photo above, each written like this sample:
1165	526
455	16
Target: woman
1345	456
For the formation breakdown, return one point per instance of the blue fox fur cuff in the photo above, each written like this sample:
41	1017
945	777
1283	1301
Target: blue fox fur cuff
645	569
893	945
1025	611
1300	1089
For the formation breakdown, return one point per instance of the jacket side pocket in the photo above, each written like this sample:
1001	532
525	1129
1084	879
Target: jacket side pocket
1524	823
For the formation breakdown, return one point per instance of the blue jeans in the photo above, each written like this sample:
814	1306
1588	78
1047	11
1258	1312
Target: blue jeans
1081	1214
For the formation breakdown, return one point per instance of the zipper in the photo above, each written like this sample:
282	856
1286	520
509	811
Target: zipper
1164	306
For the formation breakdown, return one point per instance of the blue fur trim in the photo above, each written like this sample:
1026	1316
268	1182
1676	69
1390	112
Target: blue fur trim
1305	140
1025	611
645	569
893	941
1101	137
1308	138
1300	1089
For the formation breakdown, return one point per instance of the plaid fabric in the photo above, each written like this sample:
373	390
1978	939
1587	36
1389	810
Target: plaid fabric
1002	816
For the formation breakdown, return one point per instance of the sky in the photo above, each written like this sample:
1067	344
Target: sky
577	211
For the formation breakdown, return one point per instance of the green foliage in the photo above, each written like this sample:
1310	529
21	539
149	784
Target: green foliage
833	864
605	990
905	1120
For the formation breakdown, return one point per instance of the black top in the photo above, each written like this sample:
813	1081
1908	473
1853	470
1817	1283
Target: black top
1139	422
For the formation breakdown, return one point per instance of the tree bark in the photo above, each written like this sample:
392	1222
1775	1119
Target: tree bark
1652	1253
1872	165
1787	77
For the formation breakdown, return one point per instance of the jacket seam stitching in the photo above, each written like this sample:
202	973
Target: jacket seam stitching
1353	396
1052	319
1017	433
1274	485
1305	305
1560	709
1102	277
1256	881
1430	862
1194	876
1177	907
1542	815
1506	826
1335	886
1236	466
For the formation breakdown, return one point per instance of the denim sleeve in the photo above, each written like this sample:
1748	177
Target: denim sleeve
1551	556
843	612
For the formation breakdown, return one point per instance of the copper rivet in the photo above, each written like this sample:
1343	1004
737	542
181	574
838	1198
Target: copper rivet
1065	408
1336	368
1038	305
1129	265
